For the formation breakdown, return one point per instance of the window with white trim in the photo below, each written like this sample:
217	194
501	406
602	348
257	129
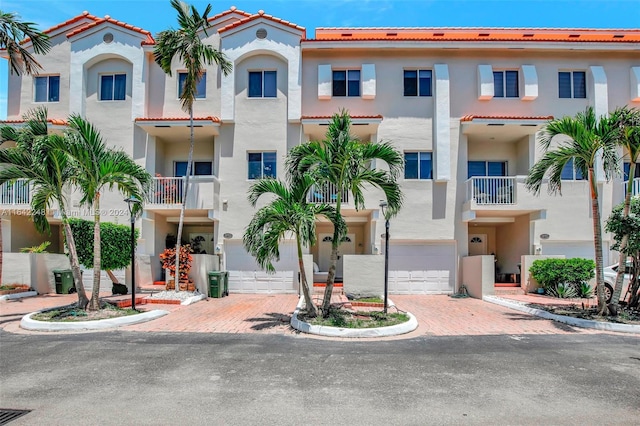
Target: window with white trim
627	170
571	172
198	168
262	164
263	84
346	83
47	88
572	84
505	84
417	82
418	165
113	87
201	86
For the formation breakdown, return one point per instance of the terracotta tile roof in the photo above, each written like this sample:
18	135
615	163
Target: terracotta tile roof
505	117
231	10
149	39
353	117
261	14
479	34
210	118
52	121
84	14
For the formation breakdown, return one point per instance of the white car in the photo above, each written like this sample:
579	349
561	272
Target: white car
610	273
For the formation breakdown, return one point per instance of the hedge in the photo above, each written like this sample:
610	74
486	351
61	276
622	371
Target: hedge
551	272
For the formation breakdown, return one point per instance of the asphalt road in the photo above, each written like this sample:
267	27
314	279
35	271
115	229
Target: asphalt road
126	378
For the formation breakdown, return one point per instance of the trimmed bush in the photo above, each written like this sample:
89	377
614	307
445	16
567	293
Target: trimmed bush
551	272
115	243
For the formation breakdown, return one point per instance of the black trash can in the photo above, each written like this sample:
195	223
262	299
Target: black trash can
64	281
216	284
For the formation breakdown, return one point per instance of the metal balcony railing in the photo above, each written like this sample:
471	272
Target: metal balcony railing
15	192
327	194
167	190
492	190
636	187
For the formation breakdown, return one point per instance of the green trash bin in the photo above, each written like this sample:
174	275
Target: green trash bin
216	284
64	281
226	283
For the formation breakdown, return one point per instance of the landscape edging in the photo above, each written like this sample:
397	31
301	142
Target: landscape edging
28	323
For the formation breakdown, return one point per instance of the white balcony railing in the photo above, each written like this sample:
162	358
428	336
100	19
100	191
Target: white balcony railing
492	190
167	190
327	194
16	192
635	190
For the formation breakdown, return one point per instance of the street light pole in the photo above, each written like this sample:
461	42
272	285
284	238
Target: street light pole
131	201
383	204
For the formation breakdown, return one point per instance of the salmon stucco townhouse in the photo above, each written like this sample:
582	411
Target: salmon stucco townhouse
463	105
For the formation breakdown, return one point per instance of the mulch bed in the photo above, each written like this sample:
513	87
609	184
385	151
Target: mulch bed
626	315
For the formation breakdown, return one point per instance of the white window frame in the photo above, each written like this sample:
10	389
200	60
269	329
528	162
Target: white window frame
418	95
571	83
419	152
262	71
48	76
113	74
504	83
346	71
275	175
204	77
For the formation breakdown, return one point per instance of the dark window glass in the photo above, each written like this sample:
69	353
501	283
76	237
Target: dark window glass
203	168
511	84
201	86
496	168
262	164
181	168
41	89
255	84
269	164
354	82
339	86
564	84
476	168
255	165
106	88
579	85
120	87
54	88
411	83
498	84
270	84
425	82
411	165
426	167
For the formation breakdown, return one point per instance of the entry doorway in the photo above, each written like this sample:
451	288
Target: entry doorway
477	244
348	246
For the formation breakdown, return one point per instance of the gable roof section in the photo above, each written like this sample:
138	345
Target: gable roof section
271	18
231	11
75	19
479	34
107	19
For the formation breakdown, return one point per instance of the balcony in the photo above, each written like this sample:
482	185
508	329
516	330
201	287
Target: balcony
168	193
492	190
17	192
327	194
635	190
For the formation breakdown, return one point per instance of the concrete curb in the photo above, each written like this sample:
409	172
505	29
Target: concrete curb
193	299
28	323
392	330
578	322
19	295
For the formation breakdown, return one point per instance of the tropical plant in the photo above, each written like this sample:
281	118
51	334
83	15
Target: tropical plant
40	248
584	290
288	213
12	34
344	162
627	123
588	140
551	272
620	225
563	291
168	261
49	173
186	44
97	168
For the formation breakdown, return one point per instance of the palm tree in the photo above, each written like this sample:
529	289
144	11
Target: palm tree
97	168
627	123
344	162
48	172
186	44
590	139
12	33
289	212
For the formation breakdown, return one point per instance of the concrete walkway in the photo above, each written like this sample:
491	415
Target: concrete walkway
438	315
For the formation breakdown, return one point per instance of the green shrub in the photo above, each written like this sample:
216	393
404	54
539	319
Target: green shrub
551	272
115	243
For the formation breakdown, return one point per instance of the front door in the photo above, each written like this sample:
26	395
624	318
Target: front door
477	244
348	246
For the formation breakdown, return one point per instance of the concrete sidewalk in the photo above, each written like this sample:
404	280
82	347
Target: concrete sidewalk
438	315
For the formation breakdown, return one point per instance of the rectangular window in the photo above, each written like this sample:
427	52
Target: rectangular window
570	172
198	168
486	168
572	84
47	89
417	82
418	165
627	169
262	164
346	83
201	86
113	87
263	84
505	84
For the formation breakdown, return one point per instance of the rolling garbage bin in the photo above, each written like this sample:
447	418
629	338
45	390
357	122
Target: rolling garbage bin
64	281
226	283
216	284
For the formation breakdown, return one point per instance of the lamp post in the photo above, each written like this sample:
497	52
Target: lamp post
383	205
131	202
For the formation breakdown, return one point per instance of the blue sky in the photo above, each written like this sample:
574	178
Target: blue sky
156	15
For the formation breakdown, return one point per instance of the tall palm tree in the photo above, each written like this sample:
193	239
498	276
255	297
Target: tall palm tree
589	140
186	44
48	172
289	212
627	126
344	162
12	33
98	167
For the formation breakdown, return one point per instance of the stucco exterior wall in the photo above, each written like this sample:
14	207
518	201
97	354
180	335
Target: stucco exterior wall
478	275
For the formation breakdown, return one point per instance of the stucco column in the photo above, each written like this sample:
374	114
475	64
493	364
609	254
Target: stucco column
442	124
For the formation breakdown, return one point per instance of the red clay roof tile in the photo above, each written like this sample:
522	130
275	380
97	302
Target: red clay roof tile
210	118
328	117
261	14
504	117
53	121
148	41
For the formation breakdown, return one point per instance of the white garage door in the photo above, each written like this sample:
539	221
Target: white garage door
422	268
246	276
583	249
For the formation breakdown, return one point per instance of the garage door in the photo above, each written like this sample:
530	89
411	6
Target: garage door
246	276
583	249
422	268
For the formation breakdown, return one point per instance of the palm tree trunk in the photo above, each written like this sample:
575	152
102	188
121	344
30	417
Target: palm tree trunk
597	240
94	304
310	307
335	244
75	265
622	259
184	200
